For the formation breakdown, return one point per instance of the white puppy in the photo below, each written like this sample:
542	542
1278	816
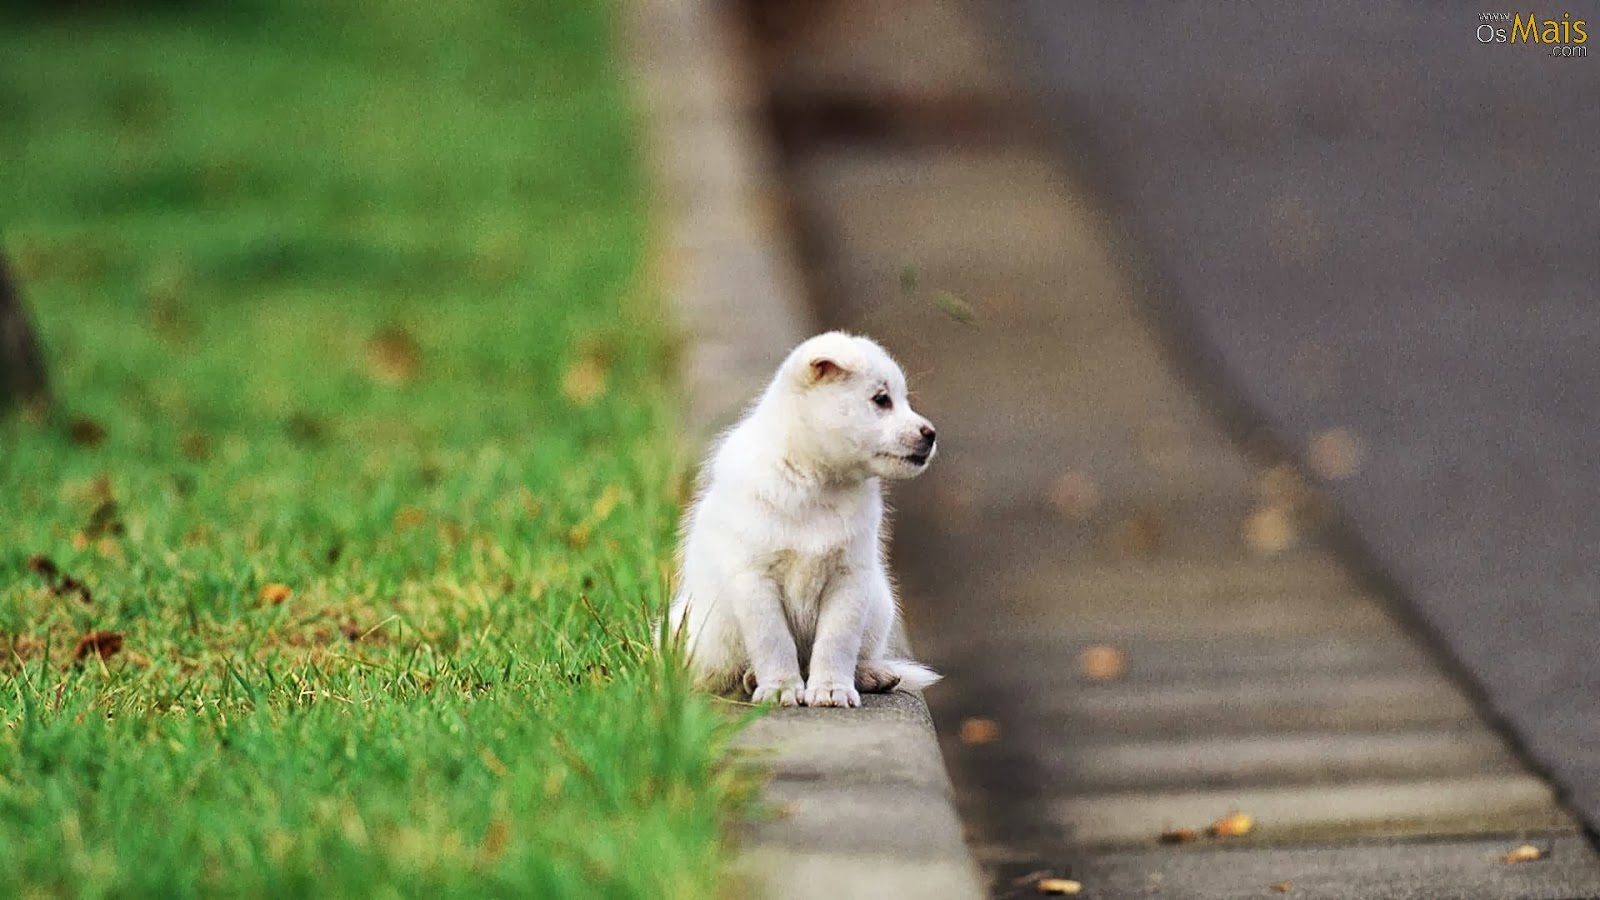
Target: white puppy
783	586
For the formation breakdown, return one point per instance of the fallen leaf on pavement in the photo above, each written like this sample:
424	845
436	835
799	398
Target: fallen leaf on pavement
1236	825
1178	836
1102	663
979	731
1060	887
1141	535
1281	887
1525	853
1269	530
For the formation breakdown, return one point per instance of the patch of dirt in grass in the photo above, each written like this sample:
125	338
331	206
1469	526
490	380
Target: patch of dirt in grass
101	644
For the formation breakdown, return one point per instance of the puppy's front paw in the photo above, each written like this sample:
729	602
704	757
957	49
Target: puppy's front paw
831	693
783	692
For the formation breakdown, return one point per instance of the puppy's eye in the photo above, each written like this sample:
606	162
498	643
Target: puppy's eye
882	401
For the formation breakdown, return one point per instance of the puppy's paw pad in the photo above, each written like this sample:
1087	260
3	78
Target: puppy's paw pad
832	693
781	693
874	678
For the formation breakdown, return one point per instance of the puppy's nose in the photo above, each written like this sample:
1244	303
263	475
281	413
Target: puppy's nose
928	433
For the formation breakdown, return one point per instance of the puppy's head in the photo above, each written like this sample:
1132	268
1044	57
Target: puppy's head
849	399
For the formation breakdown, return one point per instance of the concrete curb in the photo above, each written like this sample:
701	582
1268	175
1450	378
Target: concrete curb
864	804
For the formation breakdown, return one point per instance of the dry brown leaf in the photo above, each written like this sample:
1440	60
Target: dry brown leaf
275	593
1281	887
584	381
1525	853
86	432
1269	530
393	356
1075	495
45	567
978	730
1102	662
59	582
1334	454
103	644
1059	887
105	521
195	446
495	838
579	534
606	502
70	585
1178	836
1235	825
1141	535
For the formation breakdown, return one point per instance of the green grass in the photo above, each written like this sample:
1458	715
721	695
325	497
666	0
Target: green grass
354	293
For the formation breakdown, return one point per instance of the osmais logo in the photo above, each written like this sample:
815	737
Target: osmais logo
1565	36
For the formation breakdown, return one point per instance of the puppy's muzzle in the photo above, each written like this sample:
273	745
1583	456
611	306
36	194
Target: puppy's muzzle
924	448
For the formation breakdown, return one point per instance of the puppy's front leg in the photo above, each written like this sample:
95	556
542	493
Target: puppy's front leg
840	623
767	639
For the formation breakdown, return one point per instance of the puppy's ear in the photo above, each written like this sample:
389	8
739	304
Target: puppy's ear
823	369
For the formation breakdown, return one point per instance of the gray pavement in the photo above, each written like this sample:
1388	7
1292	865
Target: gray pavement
1367	220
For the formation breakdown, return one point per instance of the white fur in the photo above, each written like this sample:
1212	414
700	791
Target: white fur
783	586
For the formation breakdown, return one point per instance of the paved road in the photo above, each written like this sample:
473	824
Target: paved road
1370	221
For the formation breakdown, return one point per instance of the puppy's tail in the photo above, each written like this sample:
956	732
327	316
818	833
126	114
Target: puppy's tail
913	676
